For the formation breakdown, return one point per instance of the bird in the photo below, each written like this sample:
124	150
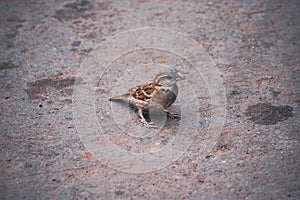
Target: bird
155	95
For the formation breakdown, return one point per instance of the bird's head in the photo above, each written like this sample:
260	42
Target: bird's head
168	77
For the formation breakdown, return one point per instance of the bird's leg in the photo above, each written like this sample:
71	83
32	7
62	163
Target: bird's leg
143	120
172	115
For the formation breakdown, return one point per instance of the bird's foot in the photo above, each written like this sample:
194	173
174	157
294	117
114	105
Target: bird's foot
147	124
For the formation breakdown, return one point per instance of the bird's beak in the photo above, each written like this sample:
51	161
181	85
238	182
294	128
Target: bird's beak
180	76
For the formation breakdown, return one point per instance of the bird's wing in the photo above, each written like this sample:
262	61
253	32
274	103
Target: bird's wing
144	91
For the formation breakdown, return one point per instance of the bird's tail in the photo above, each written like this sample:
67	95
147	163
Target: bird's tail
120	97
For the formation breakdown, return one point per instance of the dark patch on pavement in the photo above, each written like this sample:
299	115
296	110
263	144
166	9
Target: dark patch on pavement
11	34
16	19
9	38
7	65
74	10
42	89
120	191
267	114
76	43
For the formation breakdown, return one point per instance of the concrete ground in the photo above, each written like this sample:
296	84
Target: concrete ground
254	44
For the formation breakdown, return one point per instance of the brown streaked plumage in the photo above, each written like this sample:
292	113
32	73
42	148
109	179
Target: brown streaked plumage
144	91
160	93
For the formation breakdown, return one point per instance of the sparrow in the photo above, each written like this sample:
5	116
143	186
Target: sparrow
155	95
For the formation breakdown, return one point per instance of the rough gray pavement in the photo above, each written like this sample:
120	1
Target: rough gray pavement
255	45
